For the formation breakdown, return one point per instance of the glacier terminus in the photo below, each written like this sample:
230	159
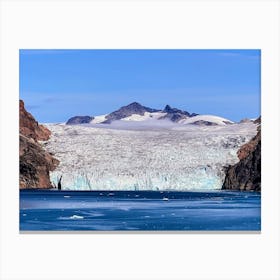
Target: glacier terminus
145	155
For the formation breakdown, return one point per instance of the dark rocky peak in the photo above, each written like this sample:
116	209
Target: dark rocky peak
170	110
79	120
167	109
126	111
133	105
137	108
175	115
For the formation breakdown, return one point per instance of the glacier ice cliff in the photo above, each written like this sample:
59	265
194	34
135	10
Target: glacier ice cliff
179	157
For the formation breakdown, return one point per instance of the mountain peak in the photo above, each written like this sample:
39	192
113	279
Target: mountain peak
134	104
127	111
167	108
176	115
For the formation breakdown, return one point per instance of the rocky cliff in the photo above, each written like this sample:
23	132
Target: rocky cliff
35	162
29	127
246	174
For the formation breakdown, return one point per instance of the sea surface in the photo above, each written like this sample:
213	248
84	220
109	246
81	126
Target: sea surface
52	210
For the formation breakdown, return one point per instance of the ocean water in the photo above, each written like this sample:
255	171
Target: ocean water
52	210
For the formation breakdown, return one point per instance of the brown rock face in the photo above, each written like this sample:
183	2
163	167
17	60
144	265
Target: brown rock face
35	162
246	174
249	147
29	127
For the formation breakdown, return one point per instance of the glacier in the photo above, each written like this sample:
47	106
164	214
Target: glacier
136	156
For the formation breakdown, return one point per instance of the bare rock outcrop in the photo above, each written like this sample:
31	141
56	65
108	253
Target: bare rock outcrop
29	127
246	174
79	120
35	163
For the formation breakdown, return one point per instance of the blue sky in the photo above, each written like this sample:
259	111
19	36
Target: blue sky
58	84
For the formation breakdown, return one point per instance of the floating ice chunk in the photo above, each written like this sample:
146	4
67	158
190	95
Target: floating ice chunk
75	217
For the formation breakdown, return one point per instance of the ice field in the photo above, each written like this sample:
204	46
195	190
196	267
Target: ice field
145	155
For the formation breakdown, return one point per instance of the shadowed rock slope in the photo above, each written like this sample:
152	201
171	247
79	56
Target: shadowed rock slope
246	174
35	162
80	120
175	115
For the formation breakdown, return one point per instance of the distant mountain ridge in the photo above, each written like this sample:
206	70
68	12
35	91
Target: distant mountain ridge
137	112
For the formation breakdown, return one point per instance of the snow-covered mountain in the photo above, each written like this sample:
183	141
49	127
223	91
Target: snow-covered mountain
135	112
127	111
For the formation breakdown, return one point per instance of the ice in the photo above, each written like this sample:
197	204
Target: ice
73	217
164	157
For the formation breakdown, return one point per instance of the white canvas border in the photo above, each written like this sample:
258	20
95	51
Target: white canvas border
139	24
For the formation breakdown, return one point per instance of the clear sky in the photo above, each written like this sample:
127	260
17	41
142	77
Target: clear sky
58	84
